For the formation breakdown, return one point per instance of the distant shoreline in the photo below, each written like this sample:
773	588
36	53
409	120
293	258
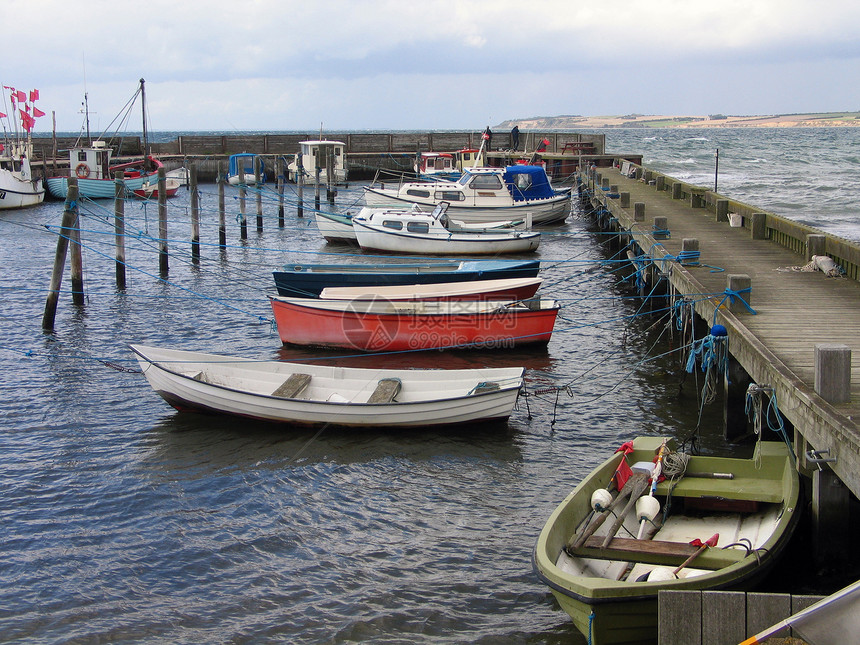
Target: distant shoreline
811	120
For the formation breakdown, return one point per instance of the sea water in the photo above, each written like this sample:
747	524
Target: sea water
126	521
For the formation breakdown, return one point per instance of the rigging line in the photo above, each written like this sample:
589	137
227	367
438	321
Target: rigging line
169	283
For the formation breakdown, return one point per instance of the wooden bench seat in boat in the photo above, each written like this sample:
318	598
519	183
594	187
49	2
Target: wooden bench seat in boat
293	386
660	552
385	391
741	487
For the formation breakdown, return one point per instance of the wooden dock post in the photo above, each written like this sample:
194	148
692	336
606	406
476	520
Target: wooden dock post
815	245
736	382
162	222
660	183
833	372
639	211
69	221
624	200
676	190
831	523
258	185
330	192
280	170
300	180
689	251
758	226
661	228
222	227
722	210
119	228
195	214
739	282
317	171
243	221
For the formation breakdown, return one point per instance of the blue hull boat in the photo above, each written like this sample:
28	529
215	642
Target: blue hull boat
308	280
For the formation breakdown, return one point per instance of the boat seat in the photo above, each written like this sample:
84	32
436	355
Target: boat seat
293	386
385	391
656	552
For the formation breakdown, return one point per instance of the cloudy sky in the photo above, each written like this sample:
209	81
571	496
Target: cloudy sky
416	64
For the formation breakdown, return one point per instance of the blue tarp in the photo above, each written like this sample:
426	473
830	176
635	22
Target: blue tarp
528	182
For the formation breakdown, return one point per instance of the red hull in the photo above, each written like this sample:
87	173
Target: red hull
369	332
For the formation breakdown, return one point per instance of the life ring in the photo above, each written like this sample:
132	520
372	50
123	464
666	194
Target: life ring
82	171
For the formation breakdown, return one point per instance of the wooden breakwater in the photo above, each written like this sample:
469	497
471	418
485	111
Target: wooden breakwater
366	152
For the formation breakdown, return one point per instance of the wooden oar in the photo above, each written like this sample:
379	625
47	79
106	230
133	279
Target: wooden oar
711	541
637	485
655	476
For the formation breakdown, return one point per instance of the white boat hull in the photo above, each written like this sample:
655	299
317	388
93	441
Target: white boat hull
19	193
335	228
334	395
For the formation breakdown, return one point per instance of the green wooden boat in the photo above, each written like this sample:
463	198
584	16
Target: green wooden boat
607	578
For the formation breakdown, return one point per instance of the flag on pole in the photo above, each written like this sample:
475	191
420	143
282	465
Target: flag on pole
37	112
34	95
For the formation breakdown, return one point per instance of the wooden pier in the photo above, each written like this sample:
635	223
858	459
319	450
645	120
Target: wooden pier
728	258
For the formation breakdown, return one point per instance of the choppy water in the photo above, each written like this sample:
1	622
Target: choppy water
125	521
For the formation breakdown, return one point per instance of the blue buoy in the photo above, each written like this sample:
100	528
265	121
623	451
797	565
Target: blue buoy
719	330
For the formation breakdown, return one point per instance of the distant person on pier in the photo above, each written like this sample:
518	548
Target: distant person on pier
488	137
515	137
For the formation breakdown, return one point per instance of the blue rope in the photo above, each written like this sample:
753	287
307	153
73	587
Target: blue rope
710	349
730	295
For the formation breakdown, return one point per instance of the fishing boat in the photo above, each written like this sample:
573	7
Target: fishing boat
306	394
482	195
319	153
384	325
436	165
411	230
707	523
91	165
150	190
242	169
18	187
505	289
308	280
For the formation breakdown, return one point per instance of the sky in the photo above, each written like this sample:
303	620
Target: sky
443	64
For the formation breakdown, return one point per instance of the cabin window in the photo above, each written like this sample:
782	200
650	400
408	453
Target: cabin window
486	182
450	196
393	223
418	193
523	182
82	156
418	227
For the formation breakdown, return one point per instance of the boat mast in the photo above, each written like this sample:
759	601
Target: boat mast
143	112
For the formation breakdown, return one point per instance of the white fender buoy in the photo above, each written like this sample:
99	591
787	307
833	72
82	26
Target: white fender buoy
601	499
647	508
660	574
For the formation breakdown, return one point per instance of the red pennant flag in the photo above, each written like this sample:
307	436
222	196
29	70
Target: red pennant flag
622	473
626	447
22	97
37	112
2	116
34	95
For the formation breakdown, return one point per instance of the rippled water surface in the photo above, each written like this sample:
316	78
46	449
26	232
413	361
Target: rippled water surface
125	521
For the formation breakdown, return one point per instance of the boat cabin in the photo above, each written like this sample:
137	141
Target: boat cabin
91	162
433	164
246	162
467	158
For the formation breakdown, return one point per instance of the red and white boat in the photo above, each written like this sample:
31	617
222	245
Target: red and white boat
504	289
384	325
149	190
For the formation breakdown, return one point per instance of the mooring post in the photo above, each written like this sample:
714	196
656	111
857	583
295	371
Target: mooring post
280	170
222	227
741	284
195	214
258	184
119	227
676	190
77	262
162	223
69	221
722	210
639	212
661	228
317	171
689	251
660	182
735	384
624	200
329	177
833	372
243	221
831	525
758	226
300	180
815	245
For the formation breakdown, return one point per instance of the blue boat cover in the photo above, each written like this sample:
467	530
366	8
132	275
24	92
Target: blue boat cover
528	182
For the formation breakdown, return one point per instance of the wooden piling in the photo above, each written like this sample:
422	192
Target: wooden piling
119	228
317	171
222	227
195	214
300	181
639	211
162	222
243	222
739	283
258	184
833	372
280	170
329	176
69	221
